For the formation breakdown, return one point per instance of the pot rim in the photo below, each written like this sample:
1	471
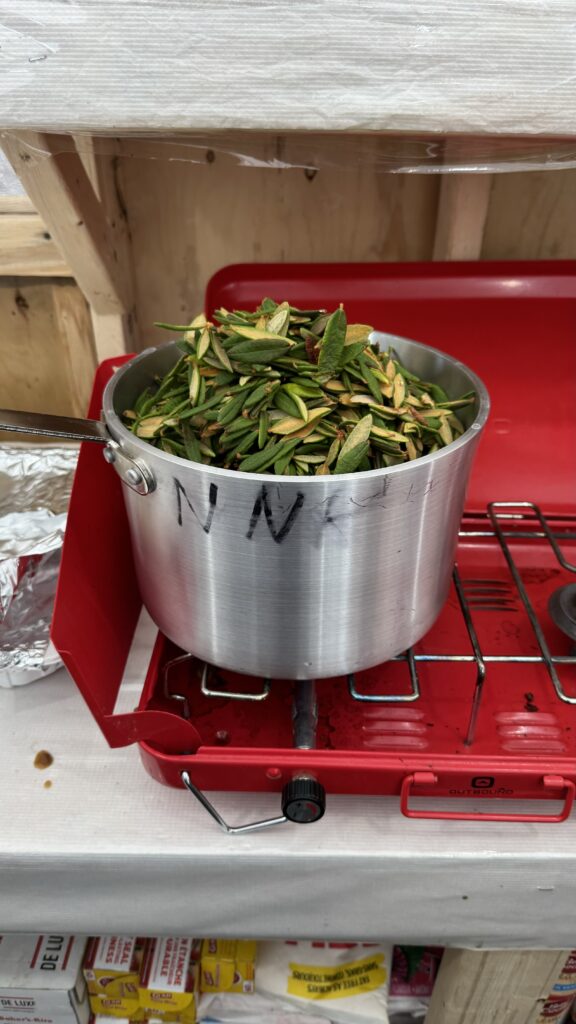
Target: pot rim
121	433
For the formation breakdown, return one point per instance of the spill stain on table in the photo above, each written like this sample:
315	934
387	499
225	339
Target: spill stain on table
43	759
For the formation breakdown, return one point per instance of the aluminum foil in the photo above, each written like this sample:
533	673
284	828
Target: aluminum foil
35	485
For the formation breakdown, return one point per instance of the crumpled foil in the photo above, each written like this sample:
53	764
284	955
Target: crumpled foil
35	485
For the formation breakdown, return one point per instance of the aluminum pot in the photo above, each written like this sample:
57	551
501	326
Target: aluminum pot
291	577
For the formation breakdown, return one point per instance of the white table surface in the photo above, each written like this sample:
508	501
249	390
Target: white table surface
107	849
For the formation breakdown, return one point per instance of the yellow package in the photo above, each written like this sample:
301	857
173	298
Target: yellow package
228	965
169	980
117	1006
111	970
111	966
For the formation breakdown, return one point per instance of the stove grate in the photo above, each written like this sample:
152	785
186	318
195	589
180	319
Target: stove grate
474	595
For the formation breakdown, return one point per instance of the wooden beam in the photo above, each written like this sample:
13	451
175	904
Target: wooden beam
461	218
16	204
86	147
113	334
90	229
76	344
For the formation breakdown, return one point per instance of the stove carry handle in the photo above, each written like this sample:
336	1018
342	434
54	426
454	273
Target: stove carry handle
303	801
555	782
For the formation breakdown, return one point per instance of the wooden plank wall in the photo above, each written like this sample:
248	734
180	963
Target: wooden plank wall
144	224
47	355
186	220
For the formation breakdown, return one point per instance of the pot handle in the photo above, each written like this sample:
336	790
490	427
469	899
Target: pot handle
43	425
132	471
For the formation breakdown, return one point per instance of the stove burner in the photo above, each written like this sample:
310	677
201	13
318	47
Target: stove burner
562	609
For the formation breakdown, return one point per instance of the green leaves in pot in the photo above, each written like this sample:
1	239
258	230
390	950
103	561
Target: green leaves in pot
292	392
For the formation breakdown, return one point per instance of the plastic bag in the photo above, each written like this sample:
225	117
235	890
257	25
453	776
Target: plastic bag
347	983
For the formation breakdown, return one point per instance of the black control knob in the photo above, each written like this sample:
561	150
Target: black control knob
303	800
562	608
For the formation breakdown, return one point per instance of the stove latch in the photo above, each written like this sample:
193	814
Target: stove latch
303	801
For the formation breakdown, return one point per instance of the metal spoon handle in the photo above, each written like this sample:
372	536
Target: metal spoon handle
53	426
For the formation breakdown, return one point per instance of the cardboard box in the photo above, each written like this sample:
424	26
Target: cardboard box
169	980
117	1007
102	1019
228	965
499	985
111	970
41	980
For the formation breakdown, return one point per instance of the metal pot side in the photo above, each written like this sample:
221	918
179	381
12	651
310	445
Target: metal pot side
291	577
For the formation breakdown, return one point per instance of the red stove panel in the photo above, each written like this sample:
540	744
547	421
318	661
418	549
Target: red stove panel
484	706
504	734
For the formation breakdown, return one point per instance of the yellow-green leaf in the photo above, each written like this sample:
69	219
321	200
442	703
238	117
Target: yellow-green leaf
286	425
357	332
355	446
446	432
219	351
194	384
203	344
399	391
150	426
280	320
259	334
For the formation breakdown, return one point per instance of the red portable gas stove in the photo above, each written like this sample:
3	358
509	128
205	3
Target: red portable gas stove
484	704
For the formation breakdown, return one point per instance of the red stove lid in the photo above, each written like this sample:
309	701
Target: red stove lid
98	603
513	323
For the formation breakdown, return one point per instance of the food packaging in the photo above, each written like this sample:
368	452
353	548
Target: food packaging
557	1007
347	983
169	980
111	970
223	1008
35	486
41	980
227	966
414	970
103	1019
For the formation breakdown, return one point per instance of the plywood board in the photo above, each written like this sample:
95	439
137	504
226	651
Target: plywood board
27	247
46	349
531	216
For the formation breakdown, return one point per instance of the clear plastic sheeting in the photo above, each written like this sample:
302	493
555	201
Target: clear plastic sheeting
9	183
314	151
494	68
35	486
